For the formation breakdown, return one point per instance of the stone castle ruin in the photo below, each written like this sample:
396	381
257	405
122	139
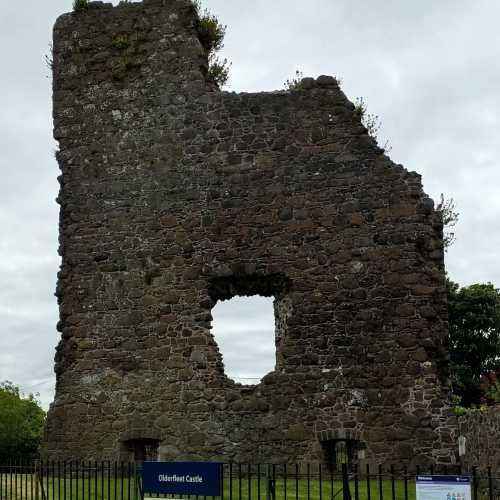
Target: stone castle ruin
175	196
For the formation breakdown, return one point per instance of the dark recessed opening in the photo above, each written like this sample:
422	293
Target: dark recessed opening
143	450
267	285
340	451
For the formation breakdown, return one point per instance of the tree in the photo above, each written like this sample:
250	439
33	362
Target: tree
474	322
21	423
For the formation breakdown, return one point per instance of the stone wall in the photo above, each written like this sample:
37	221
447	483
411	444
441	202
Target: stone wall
174	196
481	429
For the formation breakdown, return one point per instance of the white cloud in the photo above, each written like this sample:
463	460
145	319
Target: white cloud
243	328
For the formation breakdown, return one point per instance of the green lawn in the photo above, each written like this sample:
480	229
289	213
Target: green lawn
25	487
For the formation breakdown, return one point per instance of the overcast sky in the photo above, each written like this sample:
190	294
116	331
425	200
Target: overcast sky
430	69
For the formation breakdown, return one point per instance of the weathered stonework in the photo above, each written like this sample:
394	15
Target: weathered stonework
175	195
481	429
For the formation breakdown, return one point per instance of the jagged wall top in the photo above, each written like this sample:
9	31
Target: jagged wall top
155	40
174	196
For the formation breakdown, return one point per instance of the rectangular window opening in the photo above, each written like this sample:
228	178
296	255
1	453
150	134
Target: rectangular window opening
340	451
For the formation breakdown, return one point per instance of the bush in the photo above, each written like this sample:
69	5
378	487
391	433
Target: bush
79	5
370	121
211	34
449	218
295	82
490	385
21	423
218	71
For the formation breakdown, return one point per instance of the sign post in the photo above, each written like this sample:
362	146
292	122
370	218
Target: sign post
182	478
443	487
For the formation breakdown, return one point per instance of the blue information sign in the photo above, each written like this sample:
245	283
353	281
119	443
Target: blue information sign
182	478
443	487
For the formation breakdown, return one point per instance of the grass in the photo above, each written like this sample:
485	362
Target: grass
25	487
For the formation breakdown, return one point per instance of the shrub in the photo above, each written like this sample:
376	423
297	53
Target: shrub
218	71
21	423
449	218
370	121
295	82
79	5
490	385
211	34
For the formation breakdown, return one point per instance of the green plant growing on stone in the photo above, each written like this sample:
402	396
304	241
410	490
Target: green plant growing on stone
370	121
490	385
218	70
446	210
120	42
79	5
49	58
211	34
456	404
295	83
124	2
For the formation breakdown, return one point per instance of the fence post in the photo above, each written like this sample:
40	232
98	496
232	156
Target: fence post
270	493
474	479
221	480
135	479
345	483
490	484
35	478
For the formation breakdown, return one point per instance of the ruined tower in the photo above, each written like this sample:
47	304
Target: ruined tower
174	196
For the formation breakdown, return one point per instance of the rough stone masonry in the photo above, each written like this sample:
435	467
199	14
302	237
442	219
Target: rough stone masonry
174	196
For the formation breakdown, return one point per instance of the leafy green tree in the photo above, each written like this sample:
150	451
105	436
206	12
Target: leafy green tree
21	423
474	320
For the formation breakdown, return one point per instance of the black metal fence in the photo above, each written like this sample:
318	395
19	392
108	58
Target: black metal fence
122	481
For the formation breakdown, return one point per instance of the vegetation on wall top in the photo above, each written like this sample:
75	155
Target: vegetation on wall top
449	217
370	121
211	33
295	83
79	5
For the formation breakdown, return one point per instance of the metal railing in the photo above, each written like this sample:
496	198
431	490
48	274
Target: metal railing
54	480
